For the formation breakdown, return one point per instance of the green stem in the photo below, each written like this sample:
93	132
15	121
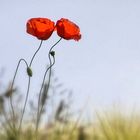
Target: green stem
35	53
11	101
39	111
28	89
27	94
50	71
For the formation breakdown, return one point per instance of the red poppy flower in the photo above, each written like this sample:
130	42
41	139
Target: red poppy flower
67	29
42	28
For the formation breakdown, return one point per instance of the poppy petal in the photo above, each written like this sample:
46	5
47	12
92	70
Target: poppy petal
42	28
67	29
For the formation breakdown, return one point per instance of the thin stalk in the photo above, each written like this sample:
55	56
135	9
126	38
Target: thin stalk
28	89
27	94
47	86
35	53
40	110
40	93
11	101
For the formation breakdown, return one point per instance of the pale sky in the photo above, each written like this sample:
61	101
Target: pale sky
104	65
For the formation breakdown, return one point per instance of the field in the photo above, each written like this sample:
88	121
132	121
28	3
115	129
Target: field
112	125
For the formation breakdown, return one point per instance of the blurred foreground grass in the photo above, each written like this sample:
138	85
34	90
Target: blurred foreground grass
107	126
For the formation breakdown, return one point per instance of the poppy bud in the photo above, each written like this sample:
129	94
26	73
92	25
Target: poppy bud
52	53
29	72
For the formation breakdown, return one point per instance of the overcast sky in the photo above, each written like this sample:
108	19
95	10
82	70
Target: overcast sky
104	65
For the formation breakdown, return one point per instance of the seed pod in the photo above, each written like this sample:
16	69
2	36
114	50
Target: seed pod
29	72
52	53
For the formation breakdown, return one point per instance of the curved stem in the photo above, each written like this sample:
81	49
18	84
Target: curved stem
11	102
50	70
35	53
40	93
28	89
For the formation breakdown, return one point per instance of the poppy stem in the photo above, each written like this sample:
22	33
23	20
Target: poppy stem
39	111
27	94
11	99
29	72
35	53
